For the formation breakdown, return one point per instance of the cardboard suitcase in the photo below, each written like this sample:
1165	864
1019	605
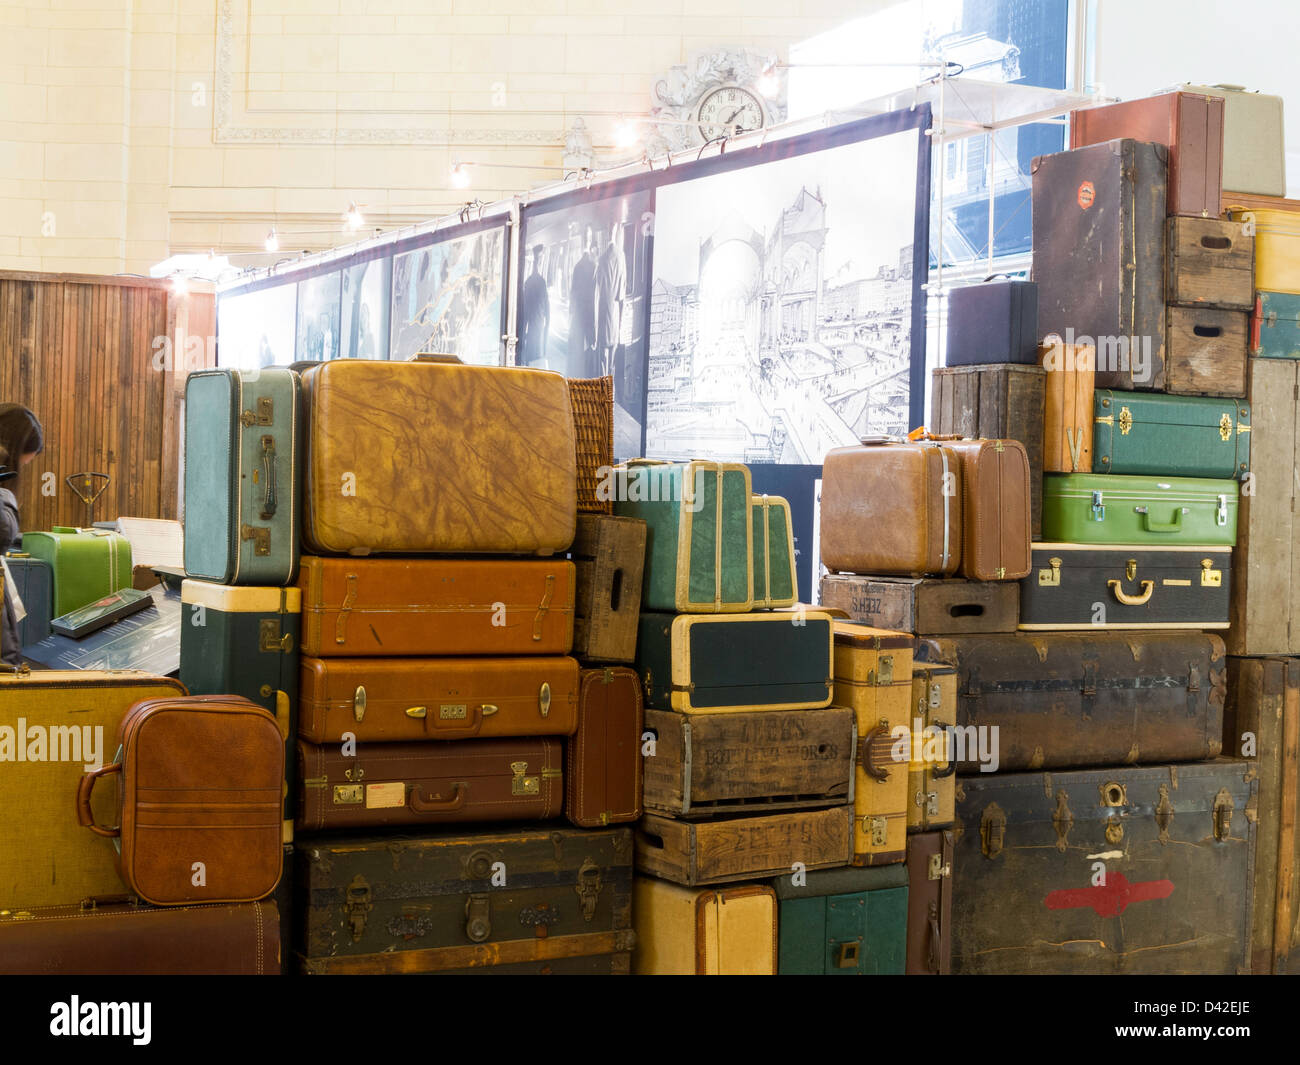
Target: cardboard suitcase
63	722
721	931
892	508
699	538
381	607
512	899
242	468
924	604
609	556
842	922
1056	700
1074	586
1170	436
994	322
775	582
929	903
117	936
435	457
1172	895
995	403
873	677
1067	406
1254	139
710	663
1261	721
1153	511
1099	256
602	759
417	699
85	564
930	767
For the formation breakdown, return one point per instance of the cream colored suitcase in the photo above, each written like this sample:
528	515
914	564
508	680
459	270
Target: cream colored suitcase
722	931
1254	149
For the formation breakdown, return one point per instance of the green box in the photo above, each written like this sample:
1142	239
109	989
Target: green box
85	564
1091	508
845	921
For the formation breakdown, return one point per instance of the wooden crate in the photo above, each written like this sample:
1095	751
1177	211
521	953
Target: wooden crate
925	606
1209	264
1205	351
609	553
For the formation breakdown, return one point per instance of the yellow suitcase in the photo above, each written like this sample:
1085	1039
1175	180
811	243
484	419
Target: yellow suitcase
930	780
53	726
873	677
1277	245
721	931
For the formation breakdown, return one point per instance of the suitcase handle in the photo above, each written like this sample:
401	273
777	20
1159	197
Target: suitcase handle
1162	526
1132	600
268	477
951	767
85	816
864	752
426	806
458	731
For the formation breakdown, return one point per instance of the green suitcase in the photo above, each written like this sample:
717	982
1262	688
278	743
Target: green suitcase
699	540
85	564
1176	436
843	921
775	583
1091	508
1275	326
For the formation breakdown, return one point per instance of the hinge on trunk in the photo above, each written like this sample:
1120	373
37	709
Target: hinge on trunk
993	826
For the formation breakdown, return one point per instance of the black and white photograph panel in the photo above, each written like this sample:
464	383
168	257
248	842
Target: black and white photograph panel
256	329
781	307
318	318
447	298
583	310
364	318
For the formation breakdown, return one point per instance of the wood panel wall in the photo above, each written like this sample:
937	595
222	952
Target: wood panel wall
79	350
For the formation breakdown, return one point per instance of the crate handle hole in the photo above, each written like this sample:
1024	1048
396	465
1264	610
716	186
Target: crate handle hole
1216	243
1207	330
965	610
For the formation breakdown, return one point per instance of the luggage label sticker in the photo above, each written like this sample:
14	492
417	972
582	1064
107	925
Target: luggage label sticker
1087	195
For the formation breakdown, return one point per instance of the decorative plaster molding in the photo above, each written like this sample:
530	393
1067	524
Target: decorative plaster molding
677	95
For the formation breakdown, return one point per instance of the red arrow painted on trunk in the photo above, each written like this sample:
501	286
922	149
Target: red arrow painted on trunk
1110	899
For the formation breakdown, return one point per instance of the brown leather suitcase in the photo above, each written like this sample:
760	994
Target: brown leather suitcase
429	606
1188	124
199	805
929	903
1067	405
435	457
429	783
995	506
892	508
602	759
119	936
390	699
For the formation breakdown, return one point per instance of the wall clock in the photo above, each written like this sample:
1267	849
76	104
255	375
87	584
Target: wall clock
729	110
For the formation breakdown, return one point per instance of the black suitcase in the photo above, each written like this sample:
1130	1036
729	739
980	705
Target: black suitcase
993	322
1099	256
31	577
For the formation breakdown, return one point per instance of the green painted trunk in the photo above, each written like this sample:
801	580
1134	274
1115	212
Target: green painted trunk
1170	436
775	584
85	564
1275	326
845	921
699	542
1090	508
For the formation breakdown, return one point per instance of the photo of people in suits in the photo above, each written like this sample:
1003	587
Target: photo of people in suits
318	318
365	310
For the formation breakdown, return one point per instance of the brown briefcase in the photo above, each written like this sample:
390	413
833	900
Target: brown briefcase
199	814
429	783
383	699
892	508
602	760
929	903
995	508
429	606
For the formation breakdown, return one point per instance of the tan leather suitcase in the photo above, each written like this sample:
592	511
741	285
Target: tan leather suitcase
430	606
996	518
892	508
602	759
429	783
413	699
435	457
722	931
1067	405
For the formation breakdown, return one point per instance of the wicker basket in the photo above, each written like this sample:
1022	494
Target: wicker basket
593	433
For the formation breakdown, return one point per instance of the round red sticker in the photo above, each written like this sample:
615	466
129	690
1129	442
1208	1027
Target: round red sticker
1087	193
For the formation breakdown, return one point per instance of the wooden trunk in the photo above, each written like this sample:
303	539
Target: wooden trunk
1205	351
742	848
1210	264
1001	402
755	762
1067	406
1262	721
609	553
1265	612
924	606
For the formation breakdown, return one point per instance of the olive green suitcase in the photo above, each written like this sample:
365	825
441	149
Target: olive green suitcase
1093	508
699	540
1178	436
850	922
85	564
775	583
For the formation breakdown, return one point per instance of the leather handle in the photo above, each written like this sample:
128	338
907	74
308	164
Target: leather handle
864	753
434	356
1163	526
426	806
934	938
269	502
86	816
951	767
1148	587
471	728
646	462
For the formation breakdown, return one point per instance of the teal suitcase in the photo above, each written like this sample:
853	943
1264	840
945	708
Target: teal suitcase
1169	436
1089	508
1275	326
241	476
85	564
849	922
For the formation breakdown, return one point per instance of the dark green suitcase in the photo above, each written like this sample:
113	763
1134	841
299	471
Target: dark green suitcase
843	921
775	583
1173	436
1275	326
1092	508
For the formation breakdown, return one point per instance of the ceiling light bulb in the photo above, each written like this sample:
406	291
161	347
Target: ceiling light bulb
353	217
625	134
460	175
272	241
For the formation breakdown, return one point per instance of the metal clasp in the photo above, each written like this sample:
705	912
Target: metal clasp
1098	507
261	538
1210	577
520	784
936	869
1051	578
269	640
356	905
1223	807
264	415
588	888
1221	515
478	918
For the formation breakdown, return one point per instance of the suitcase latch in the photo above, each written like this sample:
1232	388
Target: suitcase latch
261	538
1225	428
349	794
588	888
544	698
936	697
1125	421
269	639
359	703
936	869
1223	807
520	784
1051	578
1098	507
478	918
929	802
1221	515
356	905
264	415
879	827
883	675
1210	577
993	827
1164	813
846	957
